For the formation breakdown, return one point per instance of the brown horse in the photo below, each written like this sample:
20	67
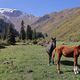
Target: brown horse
67	51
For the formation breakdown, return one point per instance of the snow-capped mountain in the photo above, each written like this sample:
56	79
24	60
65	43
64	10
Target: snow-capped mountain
16	16
10	12
5	18
2	10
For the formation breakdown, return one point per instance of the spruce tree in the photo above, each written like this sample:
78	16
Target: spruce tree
22	32
34	35
29	32
11	35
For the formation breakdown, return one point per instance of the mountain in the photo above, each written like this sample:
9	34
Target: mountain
65	25
16	16
10	12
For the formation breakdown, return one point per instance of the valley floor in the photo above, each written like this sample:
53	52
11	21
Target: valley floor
30	62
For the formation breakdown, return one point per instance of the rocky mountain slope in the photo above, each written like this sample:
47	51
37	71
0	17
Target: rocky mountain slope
64	25
16	16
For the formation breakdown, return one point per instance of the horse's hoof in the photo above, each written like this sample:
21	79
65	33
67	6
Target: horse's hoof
59	72
49	64
77	72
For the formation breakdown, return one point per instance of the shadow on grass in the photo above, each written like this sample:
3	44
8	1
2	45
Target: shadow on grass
69	71
66	62
30	71
2	47
72	71
69	63
4	44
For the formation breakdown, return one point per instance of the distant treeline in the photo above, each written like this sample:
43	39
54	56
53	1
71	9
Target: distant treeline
9	33
29	34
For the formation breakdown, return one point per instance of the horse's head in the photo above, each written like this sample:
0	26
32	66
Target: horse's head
53	41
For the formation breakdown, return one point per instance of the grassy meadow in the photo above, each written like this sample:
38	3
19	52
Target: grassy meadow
30	62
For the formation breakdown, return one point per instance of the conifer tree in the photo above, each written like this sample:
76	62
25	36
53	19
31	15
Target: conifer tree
34	35
11	35
22	32
29	32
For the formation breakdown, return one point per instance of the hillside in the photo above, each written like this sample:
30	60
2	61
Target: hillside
65	25
16	16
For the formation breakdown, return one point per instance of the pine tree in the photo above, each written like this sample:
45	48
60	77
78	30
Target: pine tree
29	32
3	29
22	32
34	35
11	35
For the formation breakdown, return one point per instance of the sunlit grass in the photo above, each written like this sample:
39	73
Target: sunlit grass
30	62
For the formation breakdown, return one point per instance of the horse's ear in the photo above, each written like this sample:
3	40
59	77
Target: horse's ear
53	38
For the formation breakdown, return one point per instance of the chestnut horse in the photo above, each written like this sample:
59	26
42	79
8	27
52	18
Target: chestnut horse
67	51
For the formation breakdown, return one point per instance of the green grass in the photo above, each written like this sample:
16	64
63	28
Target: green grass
30	62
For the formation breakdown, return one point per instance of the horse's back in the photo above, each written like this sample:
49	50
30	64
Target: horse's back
67	51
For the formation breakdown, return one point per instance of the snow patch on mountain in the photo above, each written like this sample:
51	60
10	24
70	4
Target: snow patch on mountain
2	10
11	12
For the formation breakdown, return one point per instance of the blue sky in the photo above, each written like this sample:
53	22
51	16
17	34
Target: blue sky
39	7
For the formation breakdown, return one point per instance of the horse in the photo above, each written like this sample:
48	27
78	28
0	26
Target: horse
67	51
50	47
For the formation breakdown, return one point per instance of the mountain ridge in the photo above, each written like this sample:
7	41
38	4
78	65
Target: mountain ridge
16	16
64	25
56	24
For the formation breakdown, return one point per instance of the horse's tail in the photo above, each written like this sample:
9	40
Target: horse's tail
53	54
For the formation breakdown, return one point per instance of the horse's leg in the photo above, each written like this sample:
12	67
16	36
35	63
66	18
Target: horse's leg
76	65
58	61
49	57
53	55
